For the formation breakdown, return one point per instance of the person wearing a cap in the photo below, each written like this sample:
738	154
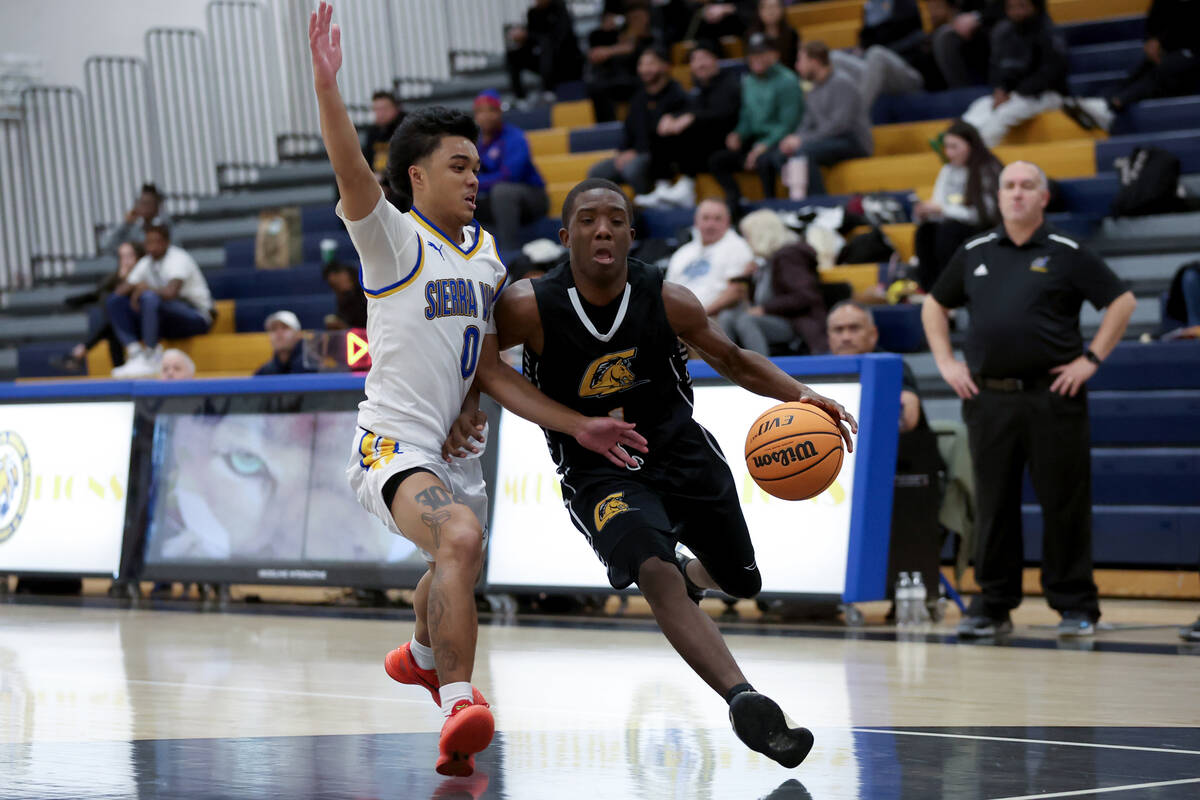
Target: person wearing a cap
511	191
772	107
283	328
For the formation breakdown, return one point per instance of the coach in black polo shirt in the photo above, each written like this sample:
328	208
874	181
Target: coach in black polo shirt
1025	398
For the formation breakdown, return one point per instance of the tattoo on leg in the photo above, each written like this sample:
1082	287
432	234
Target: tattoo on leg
435	521
435	497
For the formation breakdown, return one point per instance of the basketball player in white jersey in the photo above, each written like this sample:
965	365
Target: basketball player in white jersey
431	276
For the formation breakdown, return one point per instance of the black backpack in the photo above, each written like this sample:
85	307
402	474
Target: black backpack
1149	183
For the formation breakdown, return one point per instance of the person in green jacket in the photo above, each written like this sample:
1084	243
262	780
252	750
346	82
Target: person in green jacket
772	106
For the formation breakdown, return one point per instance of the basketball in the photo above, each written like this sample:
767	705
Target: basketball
794	451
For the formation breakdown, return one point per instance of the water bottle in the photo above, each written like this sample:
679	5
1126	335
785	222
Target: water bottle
904	598
920	610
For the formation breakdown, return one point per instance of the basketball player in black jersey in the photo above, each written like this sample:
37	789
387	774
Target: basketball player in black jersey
605	335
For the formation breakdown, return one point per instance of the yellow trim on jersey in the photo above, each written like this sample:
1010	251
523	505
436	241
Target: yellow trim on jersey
404	282
429	226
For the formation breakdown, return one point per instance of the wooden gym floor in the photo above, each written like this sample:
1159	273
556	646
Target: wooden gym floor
99	699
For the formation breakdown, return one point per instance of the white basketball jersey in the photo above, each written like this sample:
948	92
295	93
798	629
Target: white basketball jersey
429	307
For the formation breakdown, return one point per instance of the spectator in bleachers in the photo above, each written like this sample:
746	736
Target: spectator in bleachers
511	191
785	300
348	294
1170	68
165	294
1024	392
890	45
709	263
287	345
1182	307
145	212
177	365
660	94
836	124
770	19
613	57
963	203
962	45
377	137
772	106
545	44
1028	71
712	19
99	325
687	138
852	332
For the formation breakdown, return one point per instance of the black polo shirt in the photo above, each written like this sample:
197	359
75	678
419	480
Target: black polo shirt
1024	301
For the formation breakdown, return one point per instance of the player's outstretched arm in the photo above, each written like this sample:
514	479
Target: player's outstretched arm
747	369
604	435
356	182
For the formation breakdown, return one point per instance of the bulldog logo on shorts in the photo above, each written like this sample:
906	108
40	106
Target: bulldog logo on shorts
609	507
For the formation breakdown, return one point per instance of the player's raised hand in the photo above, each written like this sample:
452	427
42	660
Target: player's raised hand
834	409
325	41
467	426
609	437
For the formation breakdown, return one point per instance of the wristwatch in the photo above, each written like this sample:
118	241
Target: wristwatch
1092	357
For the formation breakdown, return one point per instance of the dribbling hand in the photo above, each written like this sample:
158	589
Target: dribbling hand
834	409
605	435
325	41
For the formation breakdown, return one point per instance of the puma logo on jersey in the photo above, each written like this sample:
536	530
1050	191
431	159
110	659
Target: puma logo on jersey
610	507
610	374
438	248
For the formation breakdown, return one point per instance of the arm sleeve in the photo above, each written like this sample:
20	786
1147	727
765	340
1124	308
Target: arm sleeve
726	100
1051	69
842	120
795	274
115	235
138	273
1094	279
789	104
387	246
179	265
743	126
950	289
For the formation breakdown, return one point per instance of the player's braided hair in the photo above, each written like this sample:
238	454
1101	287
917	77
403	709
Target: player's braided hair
418	136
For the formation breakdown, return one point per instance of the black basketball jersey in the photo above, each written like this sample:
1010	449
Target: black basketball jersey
629	364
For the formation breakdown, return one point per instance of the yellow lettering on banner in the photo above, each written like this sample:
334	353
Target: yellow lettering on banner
37	488
117	489
57	486
67	487
514	489
96	486
751	490
836	493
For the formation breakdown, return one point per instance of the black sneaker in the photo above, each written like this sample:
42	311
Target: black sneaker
1191	634
759	723
983	627
695	592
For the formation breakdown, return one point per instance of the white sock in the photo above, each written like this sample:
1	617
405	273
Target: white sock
421	654
453	694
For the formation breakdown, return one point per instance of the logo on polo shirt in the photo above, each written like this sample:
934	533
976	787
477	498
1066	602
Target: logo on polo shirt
1039	264
981	270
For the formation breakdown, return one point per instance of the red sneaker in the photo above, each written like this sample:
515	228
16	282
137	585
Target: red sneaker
402	668
467	730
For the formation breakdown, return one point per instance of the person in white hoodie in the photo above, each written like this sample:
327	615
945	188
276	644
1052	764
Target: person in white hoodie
712	259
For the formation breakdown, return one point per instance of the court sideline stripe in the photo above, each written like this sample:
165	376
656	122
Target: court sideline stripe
1029	741
1078	792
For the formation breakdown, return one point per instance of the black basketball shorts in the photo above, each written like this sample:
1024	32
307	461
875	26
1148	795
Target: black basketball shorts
688	497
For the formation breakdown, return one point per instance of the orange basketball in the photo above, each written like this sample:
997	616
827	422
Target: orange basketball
794	451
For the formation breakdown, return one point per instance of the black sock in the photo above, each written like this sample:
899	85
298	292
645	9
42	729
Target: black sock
737	689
